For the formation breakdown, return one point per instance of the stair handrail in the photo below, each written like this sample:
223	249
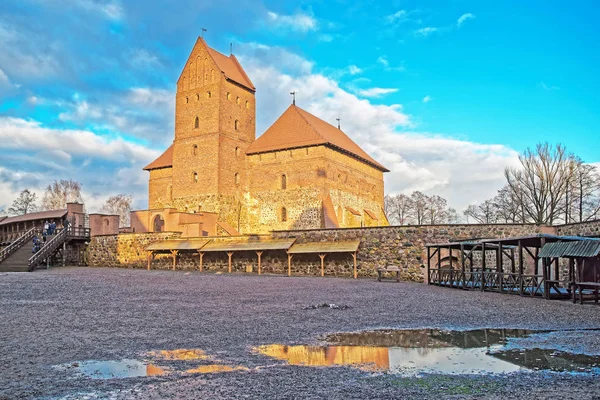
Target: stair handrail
48	249
17	244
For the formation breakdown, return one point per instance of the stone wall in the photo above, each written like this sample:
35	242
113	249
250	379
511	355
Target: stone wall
590	228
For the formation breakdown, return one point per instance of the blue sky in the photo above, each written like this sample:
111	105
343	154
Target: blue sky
432	89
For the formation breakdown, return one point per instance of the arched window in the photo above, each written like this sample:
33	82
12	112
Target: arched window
228	96
237	151
195	177
237	100
237	125
208	95
106	222
197	97
196	123
158	224
283	181
237	178
247	104
283	214
195	150
187	99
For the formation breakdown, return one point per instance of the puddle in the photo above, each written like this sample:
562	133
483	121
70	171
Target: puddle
180	354
116	369
211	369
431	351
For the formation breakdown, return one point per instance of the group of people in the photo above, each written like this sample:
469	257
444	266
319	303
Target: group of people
49	230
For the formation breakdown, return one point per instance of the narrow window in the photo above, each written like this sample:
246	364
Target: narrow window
237	178
247	104
195	177
197	97
237	151
307	151
197	123
283	181
187	99
283	214
237	124
195	150
228	96
208	95
237	100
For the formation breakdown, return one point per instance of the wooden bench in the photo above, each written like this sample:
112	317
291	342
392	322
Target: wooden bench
389	269
585	285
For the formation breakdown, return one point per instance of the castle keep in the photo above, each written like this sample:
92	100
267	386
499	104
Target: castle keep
218	179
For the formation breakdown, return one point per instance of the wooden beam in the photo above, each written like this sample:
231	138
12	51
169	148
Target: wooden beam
355	270
428	264
322	257
259	253
290	256
521	267
229	254
483	266
174	253
149	259
201	261
462	264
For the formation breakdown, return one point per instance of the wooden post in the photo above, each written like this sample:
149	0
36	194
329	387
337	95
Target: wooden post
451	266
500	266
428	264
462	264
355	269
174	253
290	256
521	268
483	262
201	261
229	254
259	253
556	269
149	259
512	261
322	257
64	253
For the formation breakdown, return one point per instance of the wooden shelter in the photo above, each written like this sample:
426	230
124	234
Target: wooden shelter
322	249
506	272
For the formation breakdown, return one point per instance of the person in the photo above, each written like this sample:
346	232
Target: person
46	227
66	223
44	237
52	227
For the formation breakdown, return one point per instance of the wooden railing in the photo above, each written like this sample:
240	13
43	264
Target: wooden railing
62	236
16	244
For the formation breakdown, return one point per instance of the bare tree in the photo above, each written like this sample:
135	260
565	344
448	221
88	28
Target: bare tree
120	205
398	208
582	202
484	213
25	203
508	206
436	210
59	193
452	216
419	203
542	181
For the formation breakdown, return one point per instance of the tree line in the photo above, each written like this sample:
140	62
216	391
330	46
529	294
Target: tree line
550	186
60	192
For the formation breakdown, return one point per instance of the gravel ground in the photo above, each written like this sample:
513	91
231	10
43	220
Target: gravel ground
66	315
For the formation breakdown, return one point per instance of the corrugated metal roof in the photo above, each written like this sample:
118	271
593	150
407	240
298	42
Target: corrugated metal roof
582	248
249	245
325	247
178	244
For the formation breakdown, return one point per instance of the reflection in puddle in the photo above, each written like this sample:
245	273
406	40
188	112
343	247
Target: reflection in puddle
117	369
210	369
416	352
180	354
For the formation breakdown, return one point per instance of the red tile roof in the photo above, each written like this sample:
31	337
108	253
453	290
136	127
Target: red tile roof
164	161
42	215
231	67
298	128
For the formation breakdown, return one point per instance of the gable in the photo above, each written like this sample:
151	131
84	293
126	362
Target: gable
298	128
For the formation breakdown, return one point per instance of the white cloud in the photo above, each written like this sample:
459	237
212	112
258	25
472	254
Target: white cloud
386	64
375	92
353	69
143	59
549	88
109	9
427	99
428	30
463	18
4	81
397	16
298	22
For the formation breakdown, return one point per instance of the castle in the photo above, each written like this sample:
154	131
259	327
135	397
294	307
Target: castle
218	179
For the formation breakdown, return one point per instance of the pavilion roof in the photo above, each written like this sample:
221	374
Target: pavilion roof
325	247
41	215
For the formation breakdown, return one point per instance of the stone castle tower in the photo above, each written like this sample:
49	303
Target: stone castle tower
301	173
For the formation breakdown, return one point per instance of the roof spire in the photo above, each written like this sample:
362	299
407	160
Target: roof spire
294	97
202	30
338	119
230	48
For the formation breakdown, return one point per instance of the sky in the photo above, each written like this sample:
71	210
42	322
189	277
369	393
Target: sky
445	94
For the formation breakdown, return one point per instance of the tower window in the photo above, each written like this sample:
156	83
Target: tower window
197	97
197	123
228	96
187	99
237	151
208	94
283	214
283	181
247	104
237	125
195	177
237	178
195	150
237	100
